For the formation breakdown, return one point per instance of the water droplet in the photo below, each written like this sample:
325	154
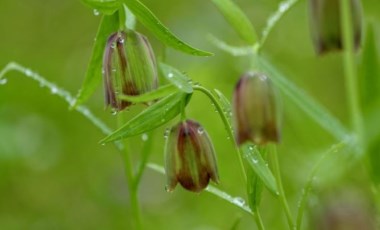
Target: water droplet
121	40
166	134
103	144
54	89
3	81
170	75
113	70
28	72
255	161
239	201
96	12
200	130
250	148
113	45
114	112
145	137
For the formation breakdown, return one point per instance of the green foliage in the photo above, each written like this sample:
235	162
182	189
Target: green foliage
237	19
177	78
154	116
107	7
108	25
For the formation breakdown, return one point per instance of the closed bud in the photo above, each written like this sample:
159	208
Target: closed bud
189	157
326	24
255	110
129	67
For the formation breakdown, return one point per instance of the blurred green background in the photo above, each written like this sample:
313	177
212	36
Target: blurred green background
55	175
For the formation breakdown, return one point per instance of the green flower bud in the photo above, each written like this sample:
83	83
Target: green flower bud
129	67
255	110
326	24
189	157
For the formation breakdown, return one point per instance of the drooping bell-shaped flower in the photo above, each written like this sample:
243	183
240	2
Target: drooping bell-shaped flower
325	16
255	110
189	157
129	67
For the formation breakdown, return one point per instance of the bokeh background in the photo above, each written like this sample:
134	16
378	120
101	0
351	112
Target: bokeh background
55	175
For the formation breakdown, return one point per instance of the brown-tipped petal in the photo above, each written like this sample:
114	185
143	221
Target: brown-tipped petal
190	155
255	110
325	23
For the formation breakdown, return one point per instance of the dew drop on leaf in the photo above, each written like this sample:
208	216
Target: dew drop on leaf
3	81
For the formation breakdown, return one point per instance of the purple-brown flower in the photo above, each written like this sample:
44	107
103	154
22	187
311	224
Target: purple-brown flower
189	157
255	110
129	67
325	24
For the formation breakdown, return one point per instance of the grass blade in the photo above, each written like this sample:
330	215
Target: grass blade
259	166
151	96
237	201
237	19
176	78
151	22
152	117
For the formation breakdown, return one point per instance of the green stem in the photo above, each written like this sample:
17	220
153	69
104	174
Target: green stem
132	186
258	219
350	70
277	174
122	18
226	124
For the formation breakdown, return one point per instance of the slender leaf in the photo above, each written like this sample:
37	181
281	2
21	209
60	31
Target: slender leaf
259	166
306	103
152	117
233	50
254	189
151	22
237	201
237	19
107	7
151	96
108	25
176	78
272	21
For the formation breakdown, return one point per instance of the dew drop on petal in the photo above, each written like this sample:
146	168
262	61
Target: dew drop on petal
200	130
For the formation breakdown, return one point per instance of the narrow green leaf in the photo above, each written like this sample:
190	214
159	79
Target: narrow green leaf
152	117
369	70
151	96
233	50
236	201
107	7
312	108
108	25
237	19
272	21
176	78
254	189
151	22
259	166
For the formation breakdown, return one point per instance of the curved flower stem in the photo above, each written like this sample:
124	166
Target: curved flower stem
277	174
132	186
225	122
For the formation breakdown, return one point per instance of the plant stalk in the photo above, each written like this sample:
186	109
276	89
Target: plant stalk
132	186
282	197
258	219
350	71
